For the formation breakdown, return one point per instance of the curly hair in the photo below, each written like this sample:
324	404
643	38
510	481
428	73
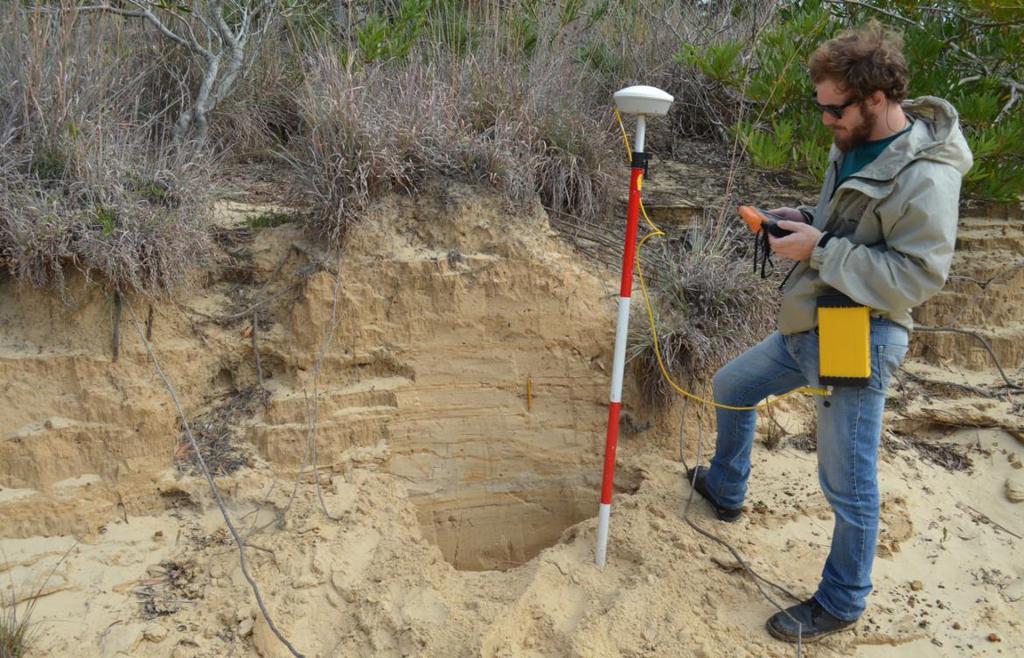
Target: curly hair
864	59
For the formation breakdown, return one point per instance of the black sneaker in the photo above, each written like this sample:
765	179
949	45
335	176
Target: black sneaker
729	514
815	623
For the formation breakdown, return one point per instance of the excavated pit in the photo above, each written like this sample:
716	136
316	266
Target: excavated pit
504	525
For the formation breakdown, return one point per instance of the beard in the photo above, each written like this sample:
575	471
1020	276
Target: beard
854	137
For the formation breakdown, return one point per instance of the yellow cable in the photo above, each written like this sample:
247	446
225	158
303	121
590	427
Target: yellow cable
657	232
625	137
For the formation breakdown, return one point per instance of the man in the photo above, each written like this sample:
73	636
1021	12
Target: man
882	233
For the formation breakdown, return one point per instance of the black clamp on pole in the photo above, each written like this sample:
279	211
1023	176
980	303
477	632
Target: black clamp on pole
640	160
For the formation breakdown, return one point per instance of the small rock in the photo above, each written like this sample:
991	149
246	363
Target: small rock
1015	591
992	637
956	625
1015	488
184	651
154	633
917	586
245	628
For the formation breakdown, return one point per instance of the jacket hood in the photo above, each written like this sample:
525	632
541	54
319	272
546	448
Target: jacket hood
935	135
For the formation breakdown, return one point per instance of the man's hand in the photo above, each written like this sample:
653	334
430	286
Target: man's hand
797	245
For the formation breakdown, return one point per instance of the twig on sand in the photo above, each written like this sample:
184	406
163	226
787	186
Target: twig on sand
116	340
256	352
985	518
149	323
213	487
981	339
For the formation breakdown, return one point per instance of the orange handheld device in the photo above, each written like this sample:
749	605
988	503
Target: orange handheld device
758	219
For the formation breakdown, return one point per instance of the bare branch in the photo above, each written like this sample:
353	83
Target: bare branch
96	8
1014	96
967	19
984	343
986	67
154	20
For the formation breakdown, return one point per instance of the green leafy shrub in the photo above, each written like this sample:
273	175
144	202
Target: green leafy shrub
969	52
384	37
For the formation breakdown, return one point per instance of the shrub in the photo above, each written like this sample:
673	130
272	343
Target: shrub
82	181
706	309
967	52
521	127
135	218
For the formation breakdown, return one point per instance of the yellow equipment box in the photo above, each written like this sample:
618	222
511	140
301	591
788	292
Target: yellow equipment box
844	342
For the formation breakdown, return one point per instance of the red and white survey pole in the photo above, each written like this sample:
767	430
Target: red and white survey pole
641	101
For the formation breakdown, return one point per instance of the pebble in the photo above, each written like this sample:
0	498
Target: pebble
182	651
1015	488
154	633
245	628
917	586
992	637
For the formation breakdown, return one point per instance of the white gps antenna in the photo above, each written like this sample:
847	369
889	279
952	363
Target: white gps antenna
641	101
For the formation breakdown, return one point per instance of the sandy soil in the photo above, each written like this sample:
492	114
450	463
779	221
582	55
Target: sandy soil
460	415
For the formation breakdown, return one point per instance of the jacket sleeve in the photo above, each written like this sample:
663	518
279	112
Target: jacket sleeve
919	227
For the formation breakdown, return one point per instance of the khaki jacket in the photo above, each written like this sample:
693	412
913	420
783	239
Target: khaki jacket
894	223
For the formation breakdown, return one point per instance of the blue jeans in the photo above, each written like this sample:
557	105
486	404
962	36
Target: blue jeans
849	429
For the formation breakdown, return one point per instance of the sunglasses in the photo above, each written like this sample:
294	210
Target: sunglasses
834	110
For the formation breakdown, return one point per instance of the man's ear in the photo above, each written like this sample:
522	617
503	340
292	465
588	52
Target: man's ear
876	99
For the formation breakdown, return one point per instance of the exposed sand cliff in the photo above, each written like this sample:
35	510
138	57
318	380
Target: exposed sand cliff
460	427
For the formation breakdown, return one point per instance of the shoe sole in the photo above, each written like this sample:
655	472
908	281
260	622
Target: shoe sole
805	640
721	513
727	515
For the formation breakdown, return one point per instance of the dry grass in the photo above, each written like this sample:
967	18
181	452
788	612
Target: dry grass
17	633
83	184
511	95
523	128
17	630
708	308
132	218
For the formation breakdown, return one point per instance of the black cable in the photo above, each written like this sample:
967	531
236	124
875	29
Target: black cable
756	577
